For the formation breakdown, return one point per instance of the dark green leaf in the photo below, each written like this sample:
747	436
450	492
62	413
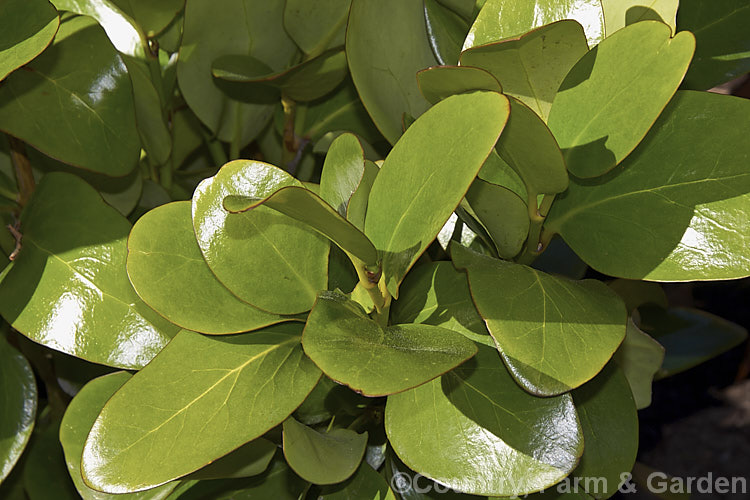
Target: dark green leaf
723	49
354	350
69	290
79	417
76	109
689	336
497	171
386	44
439	82
168	272
247	27
502	213
639	357
248	460
532	66
145	435
44	474
366	484
307	81
446	31
501	19
427	173
263	257
356	210
307	207
17	403
476	431
316	26
553	333
152	17
593	118
28	27
322	457
610	431
637	293
675	209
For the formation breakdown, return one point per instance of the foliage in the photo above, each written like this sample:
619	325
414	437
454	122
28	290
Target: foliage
285	249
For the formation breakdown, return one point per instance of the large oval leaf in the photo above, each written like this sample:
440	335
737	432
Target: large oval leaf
502	213
532	66
476	431
265	258
28	27
76	109
439	82
610	430
593	117
322	457
18	402
427	173
248	27
228	390
316	26
44	474
374	360
68	288
386	44
675	210
168	272
553	333
343	172
76	423
501	19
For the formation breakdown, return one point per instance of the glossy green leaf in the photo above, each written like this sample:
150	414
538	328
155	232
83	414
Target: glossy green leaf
123	32
437	294
307	207
675	210
639	357
529	147
307	81
621	13
689	336
322	457
386	44
44	474
592	116
316	26
343	171
69	290
553	333
248	460
501	19
168	272
76	109
476	431
197	386
723	49
366	484
439	82
609	421
28	27
247	27
17	405
263	257
532	66
502	213
356	210
427	173
76	423
373	360
410	486
446	31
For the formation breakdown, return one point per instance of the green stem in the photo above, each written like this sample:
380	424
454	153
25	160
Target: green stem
215	148
373	282
234	146
165	175
535	244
